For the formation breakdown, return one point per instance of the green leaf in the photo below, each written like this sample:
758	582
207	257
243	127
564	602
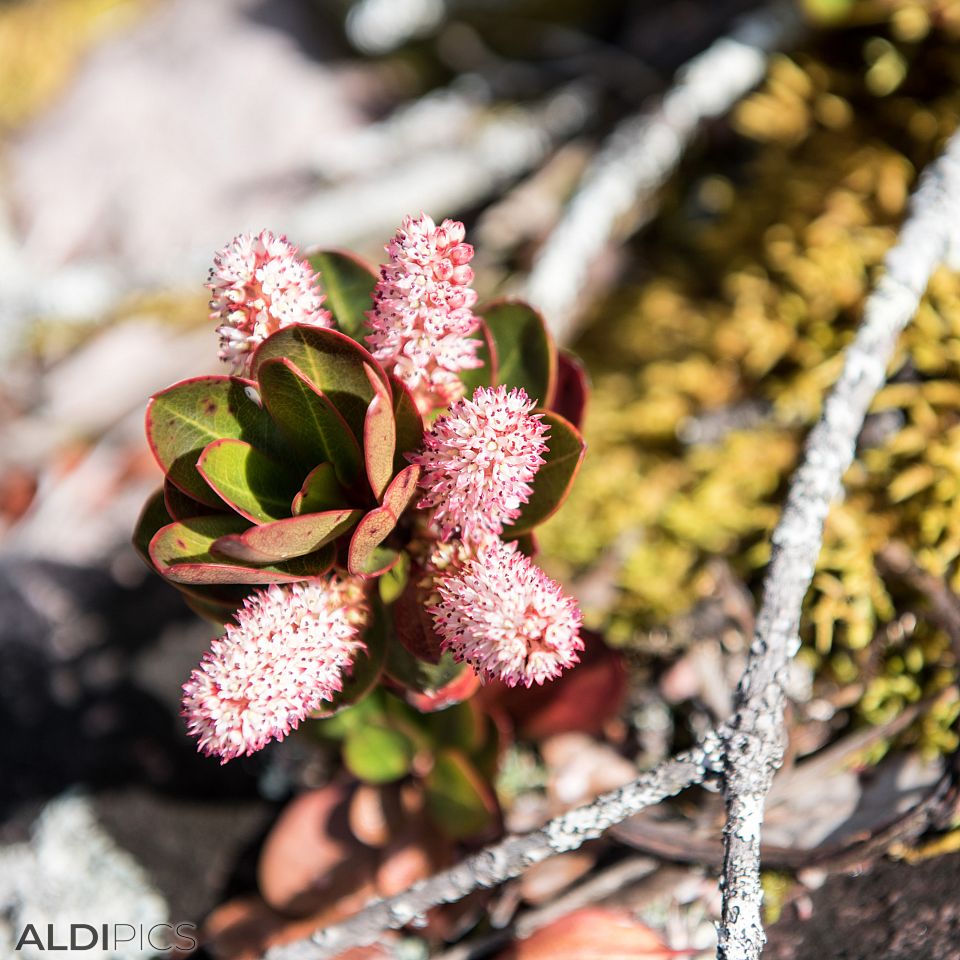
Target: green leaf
392	584
182	507
458	798
378	754
365	557
367	667
359	714
215	602
462	726
565	450
309	420
409	424
246	480
331	361
320	492
181	552
379	436
348	282
412	673
525	353
185	418
486	375
153	516
284	539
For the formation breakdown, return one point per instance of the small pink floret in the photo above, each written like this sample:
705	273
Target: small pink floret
260	284
284	656
422	317
479	460
506	618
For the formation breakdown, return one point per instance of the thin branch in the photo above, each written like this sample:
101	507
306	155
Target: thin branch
642	153
510	858
754	746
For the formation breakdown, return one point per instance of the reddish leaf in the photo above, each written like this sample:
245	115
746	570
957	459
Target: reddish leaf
408	421
583	698
589	934
246	480
379	435
331	361
320	492
573	388
564	454
413	624
180	506
184	418
181	553
284	539
310	420
365	557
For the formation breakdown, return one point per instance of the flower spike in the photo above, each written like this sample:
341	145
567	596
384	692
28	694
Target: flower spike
259	285
285	655
506	618
422	320
479	460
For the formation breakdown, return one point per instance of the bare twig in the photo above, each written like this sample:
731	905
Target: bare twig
754	747
594	889
509	858
641	154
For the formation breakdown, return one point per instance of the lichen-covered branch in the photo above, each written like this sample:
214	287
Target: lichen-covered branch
642	153
509	858
754	745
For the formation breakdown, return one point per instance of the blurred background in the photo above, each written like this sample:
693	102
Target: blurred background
699	195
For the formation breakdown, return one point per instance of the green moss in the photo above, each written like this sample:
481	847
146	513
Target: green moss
759	266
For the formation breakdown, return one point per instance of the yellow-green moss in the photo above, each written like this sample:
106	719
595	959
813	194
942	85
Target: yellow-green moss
758	269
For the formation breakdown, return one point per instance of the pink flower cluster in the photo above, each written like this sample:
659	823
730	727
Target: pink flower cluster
283	657
260	284
422	320
479	460
504	616
496	611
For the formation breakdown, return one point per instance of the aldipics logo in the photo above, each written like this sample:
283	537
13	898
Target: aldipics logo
165	938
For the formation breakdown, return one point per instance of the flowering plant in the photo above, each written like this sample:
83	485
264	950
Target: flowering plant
356	500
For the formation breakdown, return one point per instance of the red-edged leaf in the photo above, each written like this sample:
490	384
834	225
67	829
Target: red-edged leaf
461	802
526	356
591	933
409	423
320	492
573	389
284	539
181	553
365	556
463	686
428	686
379	435
565	450
215	602
310	420
246	480
183	507
486	374
184	418
153	517
366	670
413	624
331	361
347	281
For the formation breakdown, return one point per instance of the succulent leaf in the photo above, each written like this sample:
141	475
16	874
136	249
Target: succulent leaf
525	355
153	517
379	436
181	506
285	539
309	420
458	798
409	424
378	754
320	492
246	480
364	556
332	362
184	418
573	388
347	281
486	374
564	454
181	552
